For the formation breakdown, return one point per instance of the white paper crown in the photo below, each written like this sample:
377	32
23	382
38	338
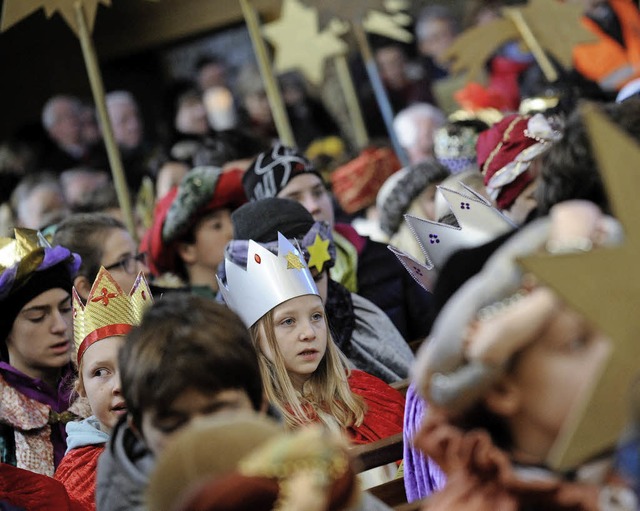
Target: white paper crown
479	222
268	281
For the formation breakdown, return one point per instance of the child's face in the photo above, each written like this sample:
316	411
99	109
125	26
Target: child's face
101	381
309	190
119	246
212	234
158	427
549	378
39	343
301	332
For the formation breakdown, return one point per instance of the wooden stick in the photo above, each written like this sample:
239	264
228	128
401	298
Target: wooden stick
97	88
379	91
515	15
271	87
351	100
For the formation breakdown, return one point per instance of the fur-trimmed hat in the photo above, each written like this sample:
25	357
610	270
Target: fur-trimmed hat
399	191
506	150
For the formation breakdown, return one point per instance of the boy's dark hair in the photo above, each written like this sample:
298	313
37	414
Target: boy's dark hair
186	342
84	234
569	170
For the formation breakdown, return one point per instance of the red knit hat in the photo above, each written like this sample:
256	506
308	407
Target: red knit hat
505	152
202	190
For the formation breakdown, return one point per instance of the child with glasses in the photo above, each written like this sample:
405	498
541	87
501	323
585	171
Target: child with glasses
100	240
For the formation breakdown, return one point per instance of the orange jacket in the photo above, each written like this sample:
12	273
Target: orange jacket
606	61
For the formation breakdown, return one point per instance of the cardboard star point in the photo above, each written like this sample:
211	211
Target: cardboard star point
294	262
599	285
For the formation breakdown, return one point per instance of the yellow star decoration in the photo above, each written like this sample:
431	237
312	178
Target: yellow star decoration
555	25
294	262
382	17
299	44
319	253
602	285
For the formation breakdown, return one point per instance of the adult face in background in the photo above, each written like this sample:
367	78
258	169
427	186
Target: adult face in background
125	121
66	126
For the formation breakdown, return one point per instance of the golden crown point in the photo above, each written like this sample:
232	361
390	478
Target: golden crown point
27	242
109	311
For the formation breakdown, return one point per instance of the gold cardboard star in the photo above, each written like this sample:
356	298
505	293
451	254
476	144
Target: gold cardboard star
319	253
15	10
382	17
299	44
472	49
554	25
601	284
294	262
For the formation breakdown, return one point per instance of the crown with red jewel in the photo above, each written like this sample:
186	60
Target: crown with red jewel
268	280
109	311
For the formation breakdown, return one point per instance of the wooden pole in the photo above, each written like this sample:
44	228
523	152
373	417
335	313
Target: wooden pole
351	99
515	15
97	88
379	91
271	87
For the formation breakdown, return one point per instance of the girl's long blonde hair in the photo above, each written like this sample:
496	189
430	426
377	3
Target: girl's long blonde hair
326	396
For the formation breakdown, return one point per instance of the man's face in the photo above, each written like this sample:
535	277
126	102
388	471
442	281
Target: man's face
126	122
309	190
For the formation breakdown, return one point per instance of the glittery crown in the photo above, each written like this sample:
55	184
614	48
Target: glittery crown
268	280
478	223
28	252
109	311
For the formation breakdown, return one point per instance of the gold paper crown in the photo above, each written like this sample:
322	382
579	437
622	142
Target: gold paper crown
27	244
109	311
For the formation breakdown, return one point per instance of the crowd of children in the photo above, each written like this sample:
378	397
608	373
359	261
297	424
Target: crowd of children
254	339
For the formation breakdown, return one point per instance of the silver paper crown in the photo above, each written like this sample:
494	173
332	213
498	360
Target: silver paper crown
268	281
479	222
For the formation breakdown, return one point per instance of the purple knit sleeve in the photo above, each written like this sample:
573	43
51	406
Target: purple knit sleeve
422	476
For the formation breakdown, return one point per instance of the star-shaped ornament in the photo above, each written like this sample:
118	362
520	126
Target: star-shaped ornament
555	26
293	262
318	253
601	285
298	42
384	17
15	10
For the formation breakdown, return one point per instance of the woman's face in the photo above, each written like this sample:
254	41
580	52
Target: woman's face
39	343
101	381
550	377
301	333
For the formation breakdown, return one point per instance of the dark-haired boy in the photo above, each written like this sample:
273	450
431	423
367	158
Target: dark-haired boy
189	358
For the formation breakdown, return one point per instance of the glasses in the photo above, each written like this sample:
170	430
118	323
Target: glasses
130	263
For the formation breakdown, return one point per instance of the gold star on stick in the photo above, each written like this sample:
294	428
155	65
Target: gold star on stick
294	262
382	17
299	44
319	253
15	10
543	25
602	286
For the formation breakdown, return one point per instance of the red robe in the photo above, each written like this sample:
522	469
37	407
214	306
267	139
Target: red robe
385	408
77	472
32	491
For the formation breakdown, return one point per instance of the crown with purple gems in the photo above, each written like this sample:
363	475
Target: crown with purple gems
478	223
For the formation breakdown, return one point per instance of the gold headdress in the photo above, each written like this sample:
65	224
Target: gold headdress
109	311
